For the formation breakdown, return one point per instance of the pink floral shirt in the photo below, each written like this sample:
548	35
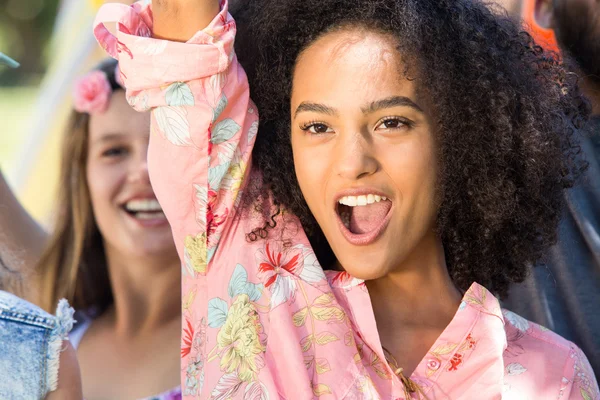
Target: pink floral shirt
261	319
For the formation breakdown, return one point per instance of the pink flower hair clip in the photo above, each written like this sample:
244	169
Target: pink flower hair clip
91	93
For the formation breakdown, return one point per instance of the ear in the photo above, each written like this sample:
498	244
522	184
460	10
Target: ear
544	13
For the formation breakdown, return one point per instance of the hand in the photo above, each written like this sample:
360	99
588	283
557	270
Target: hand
179	20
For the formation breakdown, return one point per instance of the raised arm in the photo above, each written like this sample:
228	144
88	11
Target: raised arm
203	129
179	20
239	338
203	124
21	244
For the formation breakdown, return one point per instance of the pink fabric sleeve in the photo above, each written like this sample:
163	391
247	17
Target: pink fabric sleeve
202	132
578	382
203	124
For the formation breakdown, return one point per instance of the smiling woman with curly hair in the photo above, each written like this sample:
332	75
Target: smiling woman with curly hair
415	150
505	116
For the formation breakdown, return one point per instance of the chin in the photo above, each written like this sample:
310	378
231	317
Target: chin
363	267
153	247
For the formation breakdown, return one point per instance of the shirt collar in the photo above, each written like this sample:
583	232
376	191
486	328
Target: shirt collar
466	361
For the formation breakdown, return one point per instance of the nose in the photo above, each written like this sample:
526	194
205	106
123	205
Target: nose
355	157
138	172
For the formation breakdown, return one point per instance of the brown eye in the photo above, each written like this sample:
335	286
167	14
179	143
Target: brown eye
317	128
393	123
114	152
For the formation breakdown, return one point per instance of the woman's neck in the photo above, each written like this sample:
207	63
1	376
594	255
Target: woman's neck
418	296
146	292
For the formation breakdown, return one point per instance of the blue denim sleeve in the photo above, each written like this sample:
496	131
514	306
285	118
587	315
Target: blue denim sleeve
30	344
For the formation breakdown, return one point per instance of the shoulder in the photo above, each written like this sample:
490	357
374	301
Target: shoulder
32	341
544	363
519	329
68	386
15	309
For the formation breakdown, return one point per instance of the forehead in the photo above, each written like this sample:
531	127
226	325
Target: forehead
362	63
120	119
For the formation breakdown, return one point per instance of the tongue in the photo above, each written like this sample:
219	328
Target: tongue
368	218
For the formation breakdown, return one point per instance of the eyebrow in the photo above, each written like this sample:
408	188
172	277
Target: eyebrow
394	101
109	137
306	106
389	102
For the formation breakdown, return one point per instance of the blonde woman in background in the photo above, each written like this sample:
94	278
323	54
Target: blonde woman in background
110	251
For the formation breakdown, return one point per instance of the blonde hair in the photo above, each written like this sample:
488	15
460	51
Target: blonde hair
73	264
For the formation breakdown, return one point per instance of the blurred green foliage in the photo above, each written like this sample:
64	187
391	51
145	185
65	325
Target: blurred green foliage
25	31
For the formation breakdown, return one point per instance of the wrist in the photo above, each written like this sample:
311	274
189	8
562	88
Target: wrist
179	20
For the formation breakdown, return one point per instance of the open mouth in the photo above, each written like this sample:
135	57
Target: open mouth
144	209
363	218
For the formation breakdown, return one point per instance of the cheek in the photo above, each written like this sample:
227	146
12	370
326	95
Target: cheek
299	164
311	171
413	169
101	183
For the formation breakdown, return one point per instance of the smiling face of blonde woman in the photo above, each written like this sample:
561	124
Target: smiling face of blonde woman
125	207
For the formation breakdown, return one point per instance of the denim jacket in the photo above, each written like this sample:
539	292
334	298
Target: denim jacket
30	344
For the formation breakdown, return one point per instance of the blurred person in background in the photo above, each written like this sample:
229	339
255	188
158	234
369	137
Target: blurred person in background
37	359
110	250
576	24
513	7
564	293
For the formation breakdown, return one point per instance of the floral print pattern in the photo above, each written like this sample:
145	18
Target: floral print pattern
239	340
261	318
277	269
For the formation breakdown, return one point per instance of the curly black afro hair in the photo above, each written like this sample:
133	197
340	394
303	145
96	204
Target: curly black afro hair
507	117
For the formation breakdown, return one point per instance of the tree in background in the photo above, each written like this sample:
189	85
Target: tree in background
25	30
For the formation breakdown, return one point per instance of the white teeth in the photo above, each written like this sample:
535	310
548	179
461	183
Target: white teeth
363	200
143	205
351	201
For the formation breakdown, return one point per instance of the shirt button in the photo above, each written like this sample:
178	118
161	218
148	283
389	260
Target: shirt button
434	364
